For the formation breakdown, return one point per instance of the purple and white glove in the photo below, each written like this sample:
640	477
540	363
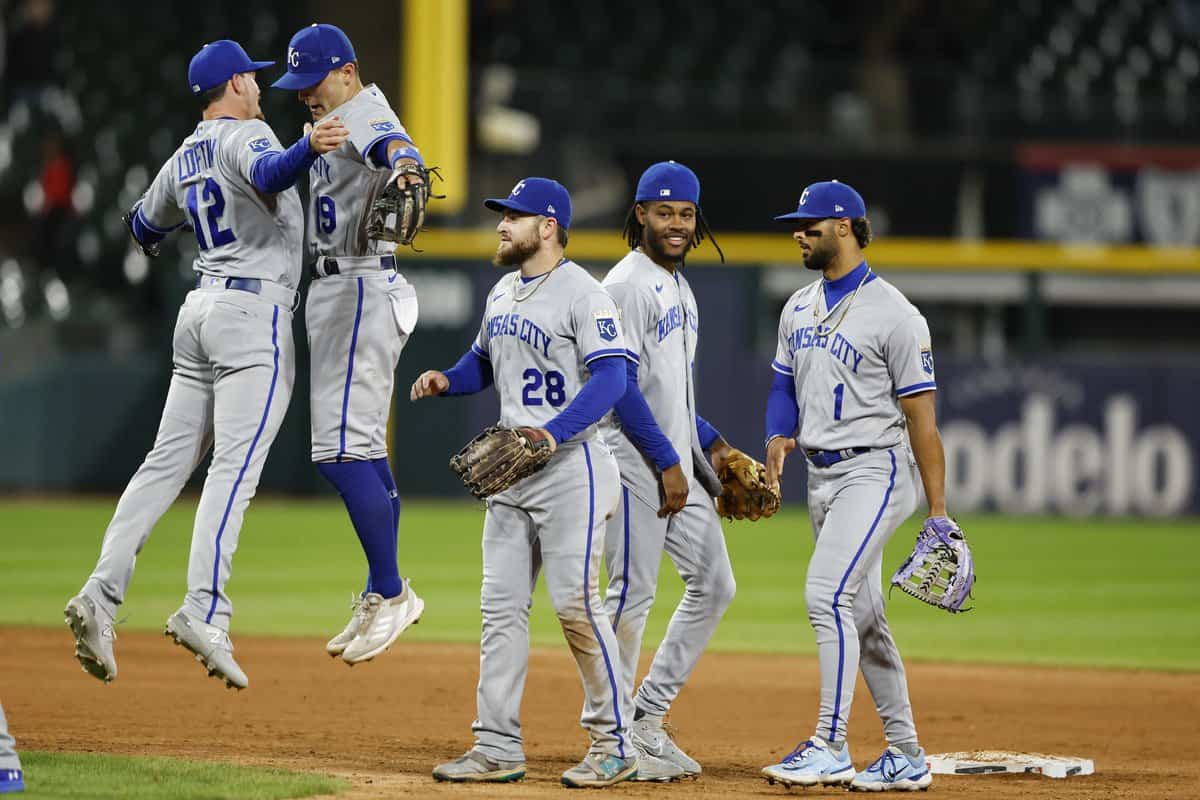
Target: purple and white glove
940	570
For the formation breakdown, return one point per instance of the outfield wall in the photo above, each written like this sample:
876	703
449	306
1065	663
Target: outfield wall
1093	433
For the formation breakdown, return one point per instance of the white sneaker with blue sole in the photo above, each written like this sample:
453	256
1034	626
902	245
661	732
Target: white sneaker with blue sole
812	763
894	771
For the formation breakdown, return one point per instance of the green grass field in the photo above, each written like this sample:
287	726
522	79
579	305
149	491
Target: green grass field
1113	593
100	777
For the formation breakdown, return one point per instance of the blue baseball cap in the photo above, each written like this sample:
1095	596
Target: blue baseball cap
217	62
537	196
312	53
825	200
668	180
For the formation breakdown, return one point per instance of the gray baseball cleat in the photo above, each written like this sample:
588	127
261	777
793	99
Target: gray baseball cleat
94	637
211	645
656	770
598	770
338	644
650	736
474	767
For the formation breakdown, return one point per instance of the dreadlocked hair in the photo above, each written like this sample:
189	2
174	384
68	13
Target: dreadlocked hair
633	231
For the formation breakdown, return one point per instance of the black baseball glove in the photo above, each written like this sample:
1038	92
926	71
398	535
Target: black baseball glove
151	250
398	214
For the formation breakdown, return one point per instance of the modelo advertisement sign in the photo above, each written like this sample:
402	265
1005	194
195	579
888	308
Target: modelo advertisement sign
1076	438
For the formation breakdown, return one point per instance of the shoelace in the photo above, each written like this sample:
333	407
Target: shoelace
801	752
110	628
889	764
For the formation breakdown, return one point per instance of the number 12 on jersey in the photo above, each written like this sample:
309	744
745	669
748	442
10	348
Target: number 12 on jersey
211	194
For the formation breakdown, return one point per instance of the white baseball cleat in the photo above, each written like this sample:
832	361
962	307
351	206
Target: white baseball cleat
810	764
211	646
383	620
651	737
894	770
337	645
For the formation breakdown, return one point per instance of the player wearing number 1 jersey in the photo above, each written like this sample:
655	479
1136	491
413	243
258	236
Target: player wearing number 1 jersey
234	361
854	387
359	315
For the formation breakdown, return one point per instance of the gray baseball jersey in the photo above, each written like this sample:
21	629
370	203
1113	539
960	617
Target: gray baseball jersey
850	364
539	337
241	232
661	324
234	361
359	320
344	183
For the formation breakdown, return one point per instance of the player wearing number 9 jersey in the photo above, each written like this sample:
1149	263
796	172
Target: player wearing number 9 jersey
359	315
551	342
234	359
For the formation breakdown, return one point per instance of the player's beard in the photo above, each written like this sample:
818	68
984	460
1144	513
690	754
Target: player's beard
655	247
818	258
517	252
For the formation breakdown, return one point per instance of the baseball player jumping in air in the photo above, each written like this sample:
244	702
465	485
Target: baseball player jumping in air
234	358
854	390
667	483
359	315
551	342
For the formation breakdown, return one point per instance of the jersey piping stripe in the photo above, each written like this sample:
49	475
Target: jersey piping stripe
146	221
479	351
837	617
916	387
262	423
366	151
592	356
587	599
632	356
624	561
782	368
349	374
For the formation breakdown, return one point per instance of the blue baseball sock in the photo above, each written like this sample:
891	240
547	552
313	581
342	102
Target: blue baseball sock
384	470
371	513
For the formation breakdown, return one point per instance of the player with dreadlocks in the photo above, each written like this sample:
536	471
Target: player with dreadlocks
667	481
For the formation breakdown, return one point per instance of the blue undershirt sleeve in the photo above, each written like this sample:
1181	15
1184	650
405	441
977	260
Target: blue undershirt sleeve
603	388
378	152
707	433
143	232
472	373
638	421
275	172
782	413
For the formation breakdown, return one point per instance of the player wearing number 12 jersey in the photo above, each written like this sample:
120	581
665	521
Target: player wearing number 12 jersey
234	360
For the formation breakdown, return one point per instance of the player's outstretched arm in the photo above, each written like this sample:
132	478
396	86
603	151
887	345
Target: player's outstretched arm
783	416
429	384
472	373
326	136
927	448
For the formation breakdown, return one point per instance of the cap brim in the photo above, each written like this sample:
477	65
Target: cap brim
299	80
795	215
504	204
255	66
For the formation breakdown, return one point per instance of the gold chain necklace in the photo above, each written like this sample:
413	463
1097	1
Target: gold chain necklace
845	306
517	283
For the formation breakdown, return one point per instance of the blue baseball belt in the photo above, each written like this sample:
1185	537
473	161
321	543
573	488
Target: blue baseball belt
269	290
827	458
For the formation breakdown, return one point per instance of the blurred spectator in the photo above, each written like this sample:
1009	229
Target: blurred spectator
32	43
52	217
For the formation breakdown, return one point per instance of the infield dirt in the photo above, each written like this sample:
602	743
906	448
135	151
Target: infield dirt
384	725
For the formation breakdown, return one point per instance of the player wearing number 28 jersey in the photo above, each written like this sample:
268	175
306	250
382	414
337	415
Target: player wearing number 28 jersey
234	360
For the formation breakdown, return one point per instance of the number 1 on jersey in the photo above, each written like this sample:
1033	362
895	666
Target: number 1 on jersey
839	391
